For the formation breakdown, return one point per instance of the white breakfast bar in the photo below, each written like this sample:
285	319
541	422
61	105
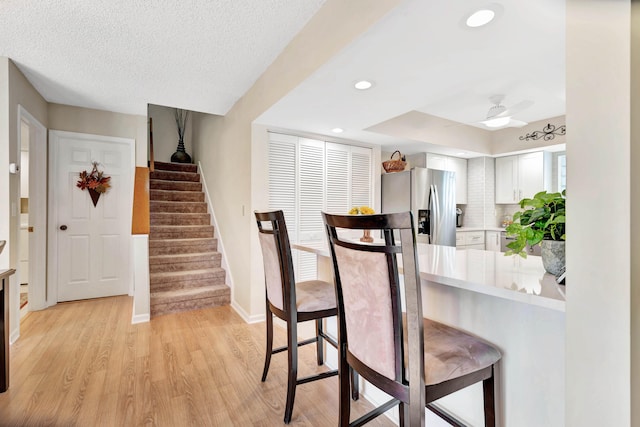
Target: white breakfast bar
509	301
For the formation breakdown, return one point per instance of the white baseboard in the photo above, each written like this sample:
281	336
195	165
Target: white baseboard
140	318
256	318
13	337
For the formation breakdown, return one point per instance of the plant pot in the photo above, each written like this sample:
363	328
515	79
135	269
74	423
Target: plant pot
366	237
180	156
553	259
94	196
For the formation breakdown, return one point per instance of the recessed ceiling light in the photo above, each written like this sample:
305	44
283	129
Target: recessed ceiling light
337	130
363	85
462	153
480	18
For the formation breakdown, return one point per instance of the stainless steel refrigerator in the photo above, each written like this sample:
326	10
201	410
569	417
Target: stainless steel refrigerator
430	195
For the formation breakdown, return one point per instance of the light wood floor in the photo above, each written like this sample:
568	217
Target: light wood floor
85	364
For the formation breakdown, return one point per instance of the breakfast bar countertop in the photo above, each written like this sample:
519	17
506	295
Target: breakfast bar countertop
486	272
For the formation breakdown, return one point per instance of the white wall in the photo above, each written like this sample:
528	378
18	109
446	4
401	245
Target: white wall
508	140
99	122
635	213
223	144
598	213
18	91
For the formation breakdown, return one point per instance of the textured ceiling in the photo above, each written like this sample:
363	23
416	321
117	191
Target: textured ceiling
120	55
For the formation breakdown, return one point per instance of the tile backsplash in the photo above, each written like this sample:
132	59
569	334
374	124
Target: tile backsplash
480	210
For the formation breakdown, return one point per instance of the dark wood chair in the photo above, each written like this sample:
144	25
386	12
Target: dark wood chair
413	359
292	302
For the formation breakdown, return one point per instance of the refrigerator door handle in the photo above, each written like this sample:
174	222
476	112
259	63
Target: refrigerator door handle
435	206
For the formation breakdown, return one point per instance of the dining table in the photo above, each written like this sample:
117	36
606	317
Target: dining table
509	301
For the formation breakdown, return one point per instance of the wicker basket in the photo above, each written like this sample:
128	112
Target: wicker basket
394	165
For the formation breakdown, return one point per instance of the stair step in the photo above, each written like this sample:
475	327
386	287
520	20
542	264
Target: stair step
160	184
176	196
174	176
184	266
166	302
186	279
178	207
180	231
184	262
169	218
166	247
181	167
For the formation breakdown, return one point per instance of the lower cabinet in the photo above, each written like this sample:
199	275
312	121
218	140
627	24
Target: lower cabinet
492	241
470	239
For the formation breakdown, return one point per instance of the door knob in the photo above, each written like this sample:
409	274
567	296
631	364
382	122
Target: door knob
63	227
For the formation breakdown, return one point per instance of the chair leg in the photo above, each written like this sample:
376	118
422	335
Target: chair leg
292	354
269	349
355	392
344	377
319	343
489	402
402	414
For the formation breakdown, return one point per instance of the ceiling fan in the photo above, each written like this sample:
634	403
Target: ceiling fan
500	116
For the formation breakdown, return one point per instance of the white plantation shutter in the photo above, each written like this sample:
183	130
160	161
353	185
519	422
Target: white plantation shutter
361	185
311	202
308	176
282	179
338	200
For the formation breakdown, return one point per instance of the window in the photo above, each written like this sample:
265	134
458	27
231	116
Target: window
308	176
562	172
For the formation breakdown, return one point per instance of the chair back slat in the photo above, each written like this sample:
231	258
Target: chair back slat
272	272
368	311
369	296
277	261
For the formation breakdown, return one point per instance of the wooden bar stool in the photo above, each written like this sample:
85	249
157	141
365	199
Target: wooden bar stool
292	302
413	359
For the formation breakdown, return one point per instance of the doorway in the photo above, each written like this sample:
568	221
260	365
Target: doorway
33	213
89	234
23	235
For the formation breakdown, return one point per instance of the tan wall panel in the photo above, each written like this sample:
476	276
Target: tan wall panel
140	219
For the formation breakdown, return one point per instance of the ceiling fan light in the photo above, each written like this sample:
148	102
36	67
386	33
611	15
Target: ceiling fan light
480	18
497	122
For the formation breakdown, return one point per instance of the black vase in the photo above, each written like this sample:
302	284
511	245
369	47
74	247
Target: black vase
180	156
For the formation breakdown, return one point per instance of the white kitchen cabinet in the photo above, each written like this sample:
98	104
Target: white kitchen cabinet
470	239
522	176
492	241
437	161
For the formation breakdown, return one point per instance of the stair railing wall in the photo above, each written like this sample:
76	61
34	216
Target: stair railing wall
217	235
140	218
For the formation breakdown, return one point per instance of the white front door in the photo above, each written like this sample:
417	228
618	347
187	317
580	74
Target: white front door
90	246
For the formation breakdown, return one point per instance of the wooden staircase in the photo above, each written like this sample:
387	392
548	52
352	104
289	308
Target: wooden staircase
184	266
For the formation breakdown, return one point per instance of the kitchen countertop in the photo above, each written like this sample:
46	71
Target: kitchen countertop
479	229
486	272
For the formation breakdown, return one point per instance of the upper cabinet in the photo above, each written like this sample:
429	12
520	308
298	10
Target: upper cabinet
522	176
445	163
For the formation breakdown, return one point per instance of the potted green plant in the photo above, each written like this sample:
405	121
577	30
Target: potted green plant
541	222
